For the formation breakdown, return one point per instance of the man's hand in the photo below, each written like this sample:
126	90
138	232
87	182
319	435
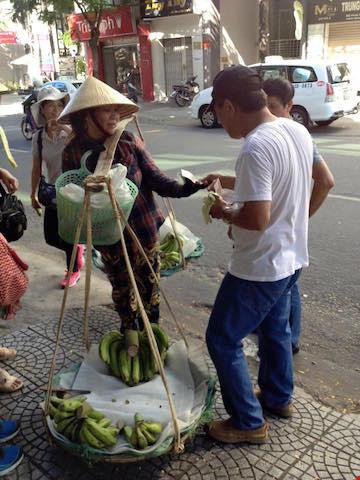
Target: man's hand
35	202
217	210
11	183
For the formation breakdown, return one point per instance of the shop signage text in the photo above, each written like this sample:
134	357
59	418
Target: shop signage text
8	38
155	9
114	23
329	11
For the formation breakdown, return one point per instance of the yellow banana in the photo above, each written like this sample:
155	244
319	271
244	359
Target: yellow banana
141	439
104	346
151	438
104	422
5	144
153	427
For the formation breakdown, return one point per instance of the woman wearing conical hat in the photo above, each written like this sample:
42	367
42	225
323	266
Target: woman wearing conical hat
94	113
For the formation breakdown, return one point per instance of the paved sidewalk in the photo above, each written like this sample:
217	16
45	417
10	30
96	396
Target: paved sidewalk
155	113
317	443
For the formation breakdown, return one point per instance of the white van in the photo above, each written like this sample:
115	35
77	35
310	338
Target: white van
323	91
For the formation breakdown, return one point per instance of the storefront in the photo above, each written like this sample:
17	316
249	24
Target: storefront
181	46
334	32
123	49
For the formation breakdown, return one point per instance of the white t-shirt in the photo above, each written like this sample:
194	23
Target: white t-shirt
275	164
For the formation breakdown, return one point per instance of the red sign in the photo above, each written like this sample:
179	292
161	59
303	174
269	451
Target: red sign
114	23
8	38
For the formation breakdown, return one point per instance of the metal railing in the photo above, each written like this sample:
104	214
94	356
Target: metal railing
287	48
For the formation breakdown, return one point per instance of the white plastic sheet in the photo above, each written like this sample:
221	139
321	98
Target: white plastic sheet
190	240
119	402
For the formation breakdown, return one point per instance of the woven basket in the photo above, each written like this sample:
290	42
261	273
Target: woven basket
104	226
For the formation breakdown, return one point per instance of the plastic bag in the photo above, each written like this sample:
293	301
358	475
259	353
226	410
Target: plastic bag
190	240
75	193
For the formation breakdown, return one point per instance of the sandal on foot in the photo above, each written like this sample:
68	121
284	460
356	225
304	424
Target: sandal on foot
7	353
9	383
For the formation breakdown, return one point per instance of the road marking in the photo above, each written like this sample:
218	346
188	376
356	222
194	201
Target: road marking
18	150
153	131
344	197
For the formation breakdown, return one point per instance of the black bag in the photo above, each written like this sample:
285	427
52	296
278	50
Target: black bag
13	220
46	191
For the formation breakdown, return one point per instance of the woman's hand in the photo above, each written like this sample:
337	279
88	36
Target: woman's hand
35	202
11	183
209	179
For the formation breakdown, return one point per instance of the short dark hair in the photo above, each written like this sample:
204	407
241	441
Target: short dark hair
242	86
279	88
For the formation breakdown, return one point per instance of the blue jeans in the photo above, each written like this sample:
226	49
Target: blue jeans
295	315
242	306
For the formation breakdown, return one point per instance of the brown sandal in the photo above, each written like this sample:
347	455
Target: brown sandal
7	353
9	383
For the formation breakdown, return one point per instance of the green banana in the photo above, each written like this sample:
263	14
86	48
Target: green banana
153	427
104	346
102	434
70	405
89	438
55	400
145	356
129	435
62	415
114	347
114	431
161	335
141	439
135	370
151	438
96	415
69	428
138	419
52	410
104	422
62	424
124	365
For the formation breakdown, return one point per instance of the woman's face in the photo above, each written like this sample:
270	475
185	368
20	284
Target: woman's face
51	109
108	117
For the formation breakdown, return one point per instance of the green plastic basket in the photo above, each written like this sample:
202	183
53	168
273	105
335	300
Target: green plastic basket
104	227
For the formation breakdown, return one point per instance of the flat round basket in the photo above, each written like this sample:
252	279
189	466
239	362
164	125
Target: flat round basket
104	226
203	402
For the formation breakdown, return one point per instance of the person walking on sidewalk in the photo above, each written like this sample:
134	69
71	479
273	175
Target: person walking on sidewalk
269	226
94	113
47	147
280	93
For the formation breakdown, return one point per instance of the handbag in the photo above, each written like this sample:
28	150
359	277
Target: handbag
46	191
13	280
13	220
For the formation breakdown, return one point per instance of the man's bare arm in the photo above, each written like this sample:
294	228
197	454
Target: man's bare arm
323	183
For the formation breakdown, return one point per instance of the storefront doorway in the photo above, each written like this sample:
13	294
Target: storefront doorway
120	63
178	58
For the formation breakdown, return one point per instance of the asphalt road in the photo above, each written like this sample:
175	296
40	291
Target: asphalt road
328	365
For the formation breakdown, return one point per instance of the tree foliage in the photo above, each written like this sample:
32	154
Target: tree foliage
49	10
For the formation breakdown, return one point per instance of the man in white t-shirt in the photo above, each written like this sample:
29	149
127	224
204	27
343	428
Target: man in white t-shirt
269	219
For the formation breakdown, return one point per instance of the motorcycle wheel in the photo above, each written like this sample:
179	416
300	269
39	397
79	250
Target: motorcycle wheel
26	129
180	100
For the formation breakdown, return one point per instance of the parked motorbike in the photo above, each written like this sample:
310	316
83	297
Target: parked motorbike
129	89
185	92
28	125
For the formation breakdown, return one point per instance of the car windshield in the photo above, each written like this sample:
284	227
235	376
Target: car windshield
339	72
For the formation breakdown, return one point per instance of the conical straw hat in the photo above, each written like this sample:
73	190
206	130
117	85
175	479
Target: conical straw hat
95	93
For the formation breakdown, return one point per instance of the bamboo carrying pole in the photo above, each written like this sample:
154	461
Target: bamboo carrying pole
92	184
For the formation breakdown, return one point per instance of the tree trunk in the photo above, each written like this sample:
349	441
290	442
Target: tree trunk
93	42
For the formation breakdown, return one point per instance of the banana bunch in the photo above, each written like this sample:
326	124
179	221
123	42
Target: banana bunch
80	423
170	252
144	434
129	356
